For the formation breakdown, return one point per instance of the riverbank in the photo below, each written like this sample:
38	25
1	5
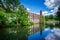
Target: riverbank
51	22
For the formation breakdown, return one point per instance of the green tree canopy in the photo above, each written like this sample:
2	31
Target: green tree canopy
58	13
13	20
9	5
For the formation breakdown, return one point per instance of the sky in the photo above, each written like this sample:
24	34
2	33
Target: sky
47	6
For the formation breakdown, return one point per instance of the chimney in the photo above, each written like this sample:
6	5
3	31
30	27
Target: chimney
40	12
41	22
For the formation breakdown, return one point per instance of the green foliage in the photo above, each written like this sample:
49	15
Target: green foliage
13	23
9	5
31	23
43	20
19	33
46	18
2	19
50	17
58	13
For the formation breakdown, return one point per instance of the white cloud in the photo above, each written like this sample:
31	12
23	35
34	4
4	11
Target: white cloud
45	13
33	12
52	3
49	3
55	9
28	9
51	10
37	13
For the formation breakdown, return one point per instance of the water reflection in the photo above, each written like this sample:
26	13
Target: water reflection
14	33
51	33
34	28
54	25
55	35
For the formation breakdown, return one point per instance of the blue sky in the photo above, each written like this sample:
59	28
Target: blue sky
37	5
34	5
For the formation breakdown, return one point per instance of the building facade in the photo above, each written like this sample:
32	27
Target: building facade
34	17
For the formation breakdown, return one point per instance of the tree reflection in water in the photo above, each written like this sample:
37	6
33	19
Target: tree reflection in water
52	33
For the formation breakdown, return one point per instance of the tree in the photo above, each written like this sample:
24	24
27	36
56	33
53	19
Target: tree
51	17
9	5
58	13
13	20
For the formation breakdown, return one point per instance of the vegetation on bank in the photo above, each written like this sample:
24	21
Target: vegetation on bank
50	20
14	20
58	13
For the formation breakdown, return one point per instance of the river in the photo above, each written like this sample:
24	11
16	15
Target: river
51	32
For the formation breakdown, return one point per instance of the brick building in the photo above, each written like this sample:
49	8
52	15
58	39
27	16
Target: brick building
34	17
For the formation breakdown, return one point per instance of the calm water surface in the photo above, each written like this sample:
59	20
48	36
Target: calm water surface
47	33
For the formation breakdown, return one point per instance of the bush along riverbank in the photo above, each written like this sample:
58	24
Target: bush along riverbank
13	23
